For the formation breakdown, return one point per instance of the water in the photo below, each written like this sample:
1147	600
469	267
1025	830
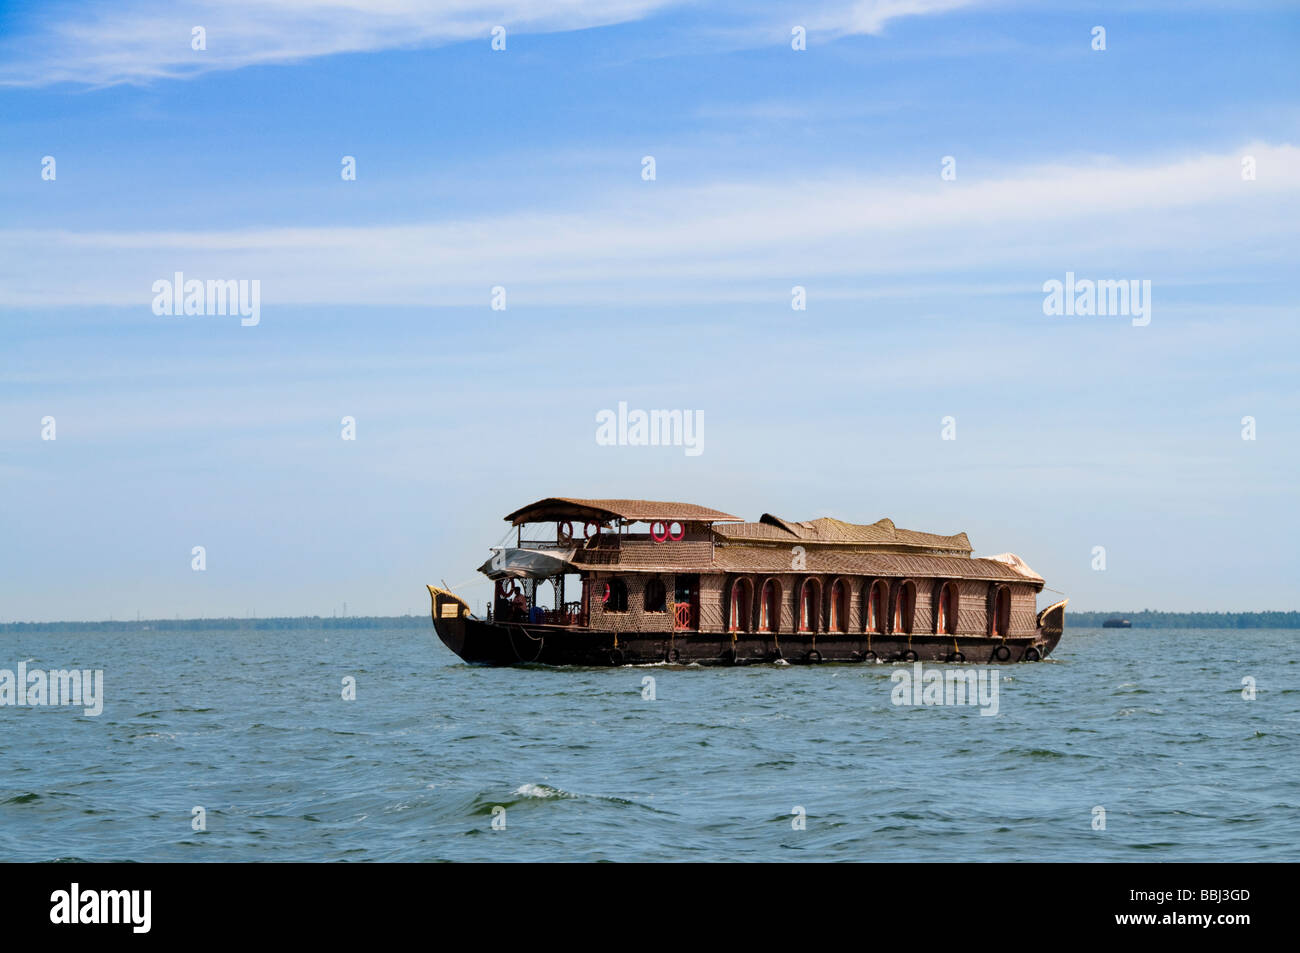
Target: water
1148	724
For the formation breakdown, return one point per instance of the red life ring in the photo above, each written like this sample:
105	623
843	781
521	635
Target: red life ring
605	597
565	531
657	536
681	527
510	589
590	530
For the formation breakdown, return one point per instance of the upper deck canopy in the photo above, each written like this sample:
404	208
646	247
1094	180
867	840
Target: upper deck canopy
600	511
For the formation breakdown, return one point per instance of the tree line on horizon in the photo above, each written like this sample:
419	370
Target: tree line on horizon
1155	619
1146	619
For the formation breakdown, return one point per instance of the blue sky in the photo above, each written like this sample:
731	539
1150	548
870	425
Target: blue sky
522	168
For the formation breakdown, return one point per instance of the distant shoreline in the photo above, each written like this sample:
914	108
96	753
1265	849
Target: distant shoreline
1146	619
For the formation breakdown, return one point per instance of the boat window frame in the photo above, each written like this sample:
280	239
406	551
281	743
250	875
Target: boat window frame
617	584
837	622
902	616
739	613
802	603
997	628
663	596
941	619
873	586
774	617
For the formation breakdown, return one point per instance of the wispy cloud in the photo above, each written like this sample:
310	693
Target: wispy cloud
141	40
728	240
870	16
138	41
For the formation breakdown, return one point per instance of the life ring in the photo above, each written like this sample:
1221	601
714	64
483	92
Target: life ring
510	589
565	531
657	536
605	597
1002	653
615	656
910	656
1032	654
956	657
681	527
591	530
813	655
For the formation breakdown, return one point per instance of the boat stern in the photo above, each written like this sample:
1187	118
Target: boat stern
1051	626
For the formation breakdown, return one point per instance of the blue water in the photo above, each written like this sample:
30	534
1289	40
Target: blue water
1148	724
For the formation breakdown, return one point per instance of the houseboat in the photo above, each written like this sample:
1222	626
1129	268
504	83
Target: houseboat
619	582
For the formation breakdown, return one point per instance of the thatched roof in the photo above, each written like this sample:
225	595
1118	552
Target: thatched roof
831	561
828	531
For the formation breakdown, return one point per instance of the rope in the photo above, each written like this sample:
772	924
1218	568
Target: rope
540	639
467	584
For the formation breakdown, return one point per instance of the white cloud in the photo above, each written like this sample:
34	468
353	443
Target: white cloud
870	16
728	241
145	40
139	41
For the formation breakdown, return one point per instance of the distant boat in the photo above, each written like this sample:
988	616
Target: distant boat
703	586
1117	624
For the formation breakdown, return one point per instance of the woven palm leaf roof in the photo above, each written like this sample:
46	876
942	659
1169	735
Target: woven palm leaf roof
830	531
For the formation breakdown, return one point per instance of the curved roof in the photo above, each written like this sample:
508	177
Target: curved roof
567	508
831	531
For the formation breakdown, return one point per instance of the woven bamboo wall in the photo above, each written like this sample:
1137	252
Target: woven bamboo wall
974	603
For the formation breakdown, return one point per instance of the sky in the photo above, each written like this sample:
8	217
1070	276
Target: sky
921	169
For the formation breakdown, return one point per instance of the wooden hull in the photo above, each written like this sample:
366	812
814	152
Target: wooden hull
493	643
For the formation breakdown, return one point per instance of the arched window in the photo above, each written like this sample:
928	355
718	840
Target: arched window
839	606
875	606
1002	612
741	595
945	620
768	614
809	605
904	607
656	596
615	595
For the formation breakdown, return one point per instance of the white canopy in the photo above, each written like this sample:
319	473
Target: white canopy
528	563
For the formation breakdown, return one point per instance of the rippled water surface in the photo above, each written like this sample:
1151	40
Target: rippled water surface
1148	724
